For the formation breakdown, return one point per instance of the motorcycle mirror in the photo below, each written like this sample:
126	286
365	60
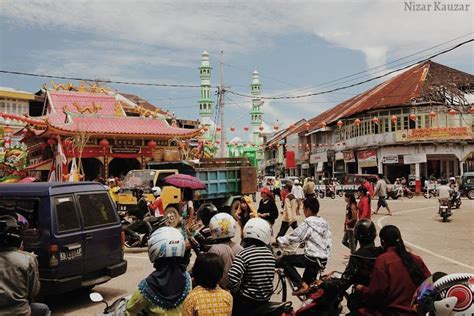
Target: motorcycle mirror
96	297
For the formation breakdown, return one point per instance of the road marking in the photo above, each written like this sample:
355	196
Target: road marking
379	224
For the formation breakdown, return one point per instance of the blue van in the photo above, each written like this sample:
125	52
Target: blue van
73	228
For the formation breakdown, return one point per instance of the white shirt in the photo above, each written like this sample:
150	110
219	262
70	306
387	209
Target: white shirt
315	233
297	191
444	192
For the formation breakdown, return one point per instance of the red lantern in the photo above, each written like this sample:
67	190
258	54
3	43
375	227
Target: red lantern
394	118
51	142
300	145
152	144
205	128
246	128
270	146
104	143
276	127
452	112
357	122
313	145
307	125
218	129
232	129
291	126
375	120
67	142
278	146
340	123
261	128
293	146
412	117
227	143
322	125
432	114
218	142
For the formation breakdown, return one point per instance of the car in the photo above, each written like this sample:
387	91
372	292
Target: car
467	184
74	230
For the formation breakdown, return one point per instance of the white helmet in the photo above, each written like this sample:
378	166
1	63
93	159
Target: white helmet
222	225
452	179
259	229
165	242
297	181
156	191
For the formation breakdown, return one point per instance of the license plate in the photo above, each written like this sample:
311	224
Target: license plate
70	254
444	207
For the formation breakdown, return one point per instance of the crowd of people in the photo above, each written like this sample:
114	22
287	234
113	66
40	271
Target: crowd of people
231	278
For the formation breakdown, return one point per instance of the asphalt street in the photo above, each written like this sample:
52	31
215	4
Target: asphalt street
446	247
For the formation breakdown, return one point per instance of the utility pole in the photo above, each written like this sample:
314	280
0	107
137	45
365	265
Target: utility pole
221	108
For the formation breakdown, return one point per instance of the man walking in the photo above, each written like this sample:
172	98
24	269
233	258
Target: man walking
381	192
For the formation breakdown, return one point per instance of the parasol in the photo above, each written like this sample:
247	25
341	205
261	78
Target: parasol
183	181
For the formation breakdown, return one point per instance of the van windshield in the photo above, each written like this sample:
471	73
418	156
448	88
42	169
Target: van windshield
139	178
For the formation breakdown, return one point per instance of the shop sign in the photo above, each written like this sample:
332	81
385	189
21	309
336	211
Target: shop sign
318	158
437	133
305	166
389	159
349	156
367	158
415	158
125	149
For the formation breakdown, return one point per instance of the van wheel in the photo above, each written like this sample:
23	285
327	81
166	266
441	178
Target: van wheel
234	207
173	216
470	194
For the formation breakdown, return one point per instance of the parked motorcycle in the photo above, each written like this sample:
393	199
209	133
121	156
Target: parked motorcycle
395	193
430	192
444	209
151	224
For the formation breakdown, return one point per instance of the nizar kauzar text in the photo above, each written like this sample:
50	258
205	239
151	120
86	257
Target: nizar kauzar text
434	6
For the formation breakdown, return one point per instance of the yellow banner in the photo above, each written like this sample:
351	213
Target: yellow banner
438	133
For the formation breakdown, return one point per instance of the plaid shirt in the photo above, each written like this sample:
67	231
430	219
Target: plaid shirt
205	302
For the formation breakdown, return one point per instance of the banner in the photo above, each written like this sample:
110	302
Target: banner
436	133
349	156
318	158
290	160
415	158
367	158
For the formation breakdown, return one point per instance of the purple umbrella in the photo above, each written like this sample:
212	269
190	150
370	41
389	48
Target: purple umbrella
185	181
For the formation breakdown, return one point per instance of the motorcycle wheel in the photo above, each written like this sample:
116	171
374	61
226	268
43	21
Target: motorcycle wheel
410	195
321	195
341	193
333	196
445	217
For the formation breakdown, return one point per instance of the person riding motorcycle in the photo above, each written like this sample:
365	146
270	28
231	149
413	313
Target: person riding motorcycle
163	292
444	192
360	266
200	241
157	206
139	213
223	227
19	273
455	194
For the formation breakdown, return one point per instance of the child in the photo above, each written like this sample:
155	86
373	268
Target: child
207	298
252	272
316	234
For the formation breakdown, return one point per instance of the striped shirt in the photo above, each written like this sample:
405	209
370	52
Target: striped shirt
252	273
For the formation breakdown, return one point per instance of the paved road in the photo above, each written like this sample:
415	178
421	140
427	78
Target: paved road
445	247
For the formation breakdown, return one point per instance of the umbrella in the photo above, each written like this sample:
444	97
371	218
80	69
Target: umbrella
27	180
185	181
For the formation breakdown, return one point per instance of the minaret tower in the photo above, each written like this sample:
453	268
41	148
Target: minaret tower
256	113
205	102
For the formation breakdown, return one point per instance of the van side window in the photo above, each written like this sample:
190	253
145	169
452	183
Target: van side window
97	209
66	216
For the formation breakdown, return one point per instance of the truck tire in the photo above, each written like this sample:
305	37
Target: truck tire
470	194
234	207
173	216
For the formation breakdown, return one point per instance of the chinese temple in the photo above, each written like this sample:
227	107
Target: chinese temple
86	131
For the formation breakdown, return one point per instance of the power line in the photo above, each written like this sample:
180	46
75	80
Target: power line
357	83
168	85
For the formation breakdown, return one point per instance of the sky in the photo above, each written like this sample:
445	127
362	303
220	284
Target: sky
296	46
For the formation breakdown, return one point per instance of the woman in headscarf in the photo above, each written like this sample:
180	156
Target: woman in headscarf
245	212
163	292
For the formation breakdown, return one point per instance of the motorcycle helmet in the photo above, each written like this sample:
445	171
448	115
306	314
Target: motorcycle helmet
297	182
452	179
259	229
156	191
206	212
165	242
222	226
10	235
364	231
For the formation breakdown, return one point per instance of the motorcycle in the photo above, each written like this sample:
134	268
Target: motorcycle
118	307
444	209
395	193
151	224
430	192
456	199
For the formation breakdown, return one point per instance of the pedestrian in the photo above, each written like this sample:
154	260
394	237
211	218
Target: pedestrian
364	210
290	210
396	276
163	292
370	189
267	208
350	220
309	189
245	212
277	187
381	192
315	233
187	211
253	270
208	298
222	227
297	191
